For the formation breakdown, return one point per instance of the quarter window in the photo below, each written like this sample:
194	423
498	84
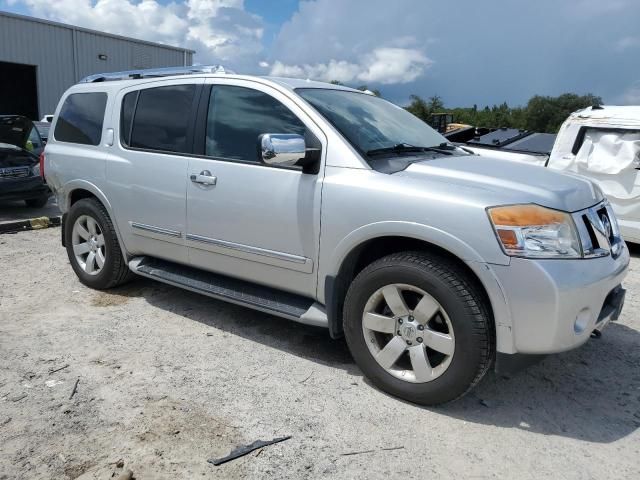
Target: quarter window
81	118
161	120
237	116
126	116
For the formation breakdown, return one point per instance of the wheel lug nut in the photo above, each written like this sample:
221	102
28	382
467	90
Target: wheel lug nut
408	342
419	339
400	320
410	318
420	327
399	332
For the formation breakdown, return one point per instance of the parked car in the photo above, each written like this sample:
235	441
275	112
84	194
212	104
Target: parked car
20	148
333	207
510	144
43	130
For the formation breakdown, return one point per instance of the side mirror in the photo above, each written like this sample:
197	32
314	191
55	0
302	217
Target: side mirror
281	149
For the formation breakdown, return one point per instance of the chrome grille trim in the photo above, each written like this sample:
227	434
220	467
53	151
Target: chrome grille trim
594	237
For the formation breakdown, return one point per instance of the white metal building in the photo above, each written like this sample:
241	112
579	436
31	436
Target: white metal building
40	59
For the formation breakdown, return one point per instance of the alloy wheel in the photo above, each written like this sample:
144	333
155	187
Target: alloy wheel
408	333
88	244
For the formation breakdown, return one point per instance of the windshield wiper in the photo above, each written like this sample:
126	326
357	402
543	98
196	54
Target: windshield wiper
444	148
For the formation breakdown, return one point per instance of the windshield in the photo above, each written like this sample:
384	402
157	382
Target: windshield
370	123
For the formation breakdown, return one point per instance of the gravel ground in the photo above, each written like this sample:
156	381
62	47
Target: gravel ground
168	379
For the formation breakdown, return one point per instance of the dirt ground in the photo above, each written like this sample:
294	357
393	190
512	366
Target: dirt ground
11	211
168	379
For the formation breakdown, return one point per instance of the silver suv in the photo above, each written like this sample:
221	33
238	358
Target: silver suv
333	207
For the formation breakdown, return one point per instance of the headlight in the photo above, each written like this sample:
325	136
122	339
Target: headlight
536	232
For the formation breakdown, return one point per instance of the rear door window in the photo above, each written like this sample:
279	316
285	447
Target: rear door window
161	119
81	118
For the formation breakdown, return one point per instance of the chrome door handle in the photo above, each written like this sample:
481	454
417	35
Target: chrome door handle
205	178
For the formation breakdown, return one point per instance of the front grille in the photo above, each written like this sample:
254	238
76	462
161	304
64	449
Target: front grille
15	172
598	231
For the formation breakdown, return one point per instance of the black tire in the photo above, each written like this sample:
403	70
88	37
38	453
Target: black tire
115	271
468	311
38	202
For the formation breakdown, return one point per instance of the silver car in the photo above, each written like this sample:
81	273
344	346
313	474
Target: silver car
333	207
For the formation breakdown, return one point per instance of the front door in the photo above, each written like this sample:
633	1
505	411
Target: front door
244	218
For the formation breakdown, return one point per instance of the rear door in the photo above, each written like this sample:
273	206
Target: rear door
147	168
256	222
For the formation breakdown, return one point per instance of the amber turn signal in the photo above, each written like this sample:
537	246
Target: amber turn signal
525	215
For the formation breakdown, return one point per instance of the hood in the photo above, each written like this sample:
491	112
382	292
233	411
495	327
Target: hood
15	130
500	182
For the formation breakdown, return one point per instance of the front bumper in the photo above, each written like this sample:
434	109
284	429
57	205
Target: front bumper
554	305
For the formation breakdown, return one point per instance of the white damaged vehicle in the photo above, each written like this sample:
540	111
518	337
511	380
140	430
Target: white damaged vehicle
603	143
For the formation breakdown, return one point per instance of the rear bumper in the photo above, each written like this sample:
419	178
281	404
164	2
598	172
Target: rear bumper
23	188
554	305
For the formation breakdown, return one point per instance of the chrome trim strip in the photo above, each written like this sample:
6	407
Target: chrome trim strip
151	228
248	249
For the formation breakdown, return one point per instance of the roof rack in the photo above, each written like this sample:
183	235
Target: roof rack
154	72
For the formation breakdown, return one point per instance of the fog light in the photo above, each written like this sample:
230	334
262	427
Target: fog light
582	320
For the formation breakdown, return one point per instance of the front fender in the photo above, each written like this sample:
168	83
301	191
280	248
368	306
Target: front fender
447	242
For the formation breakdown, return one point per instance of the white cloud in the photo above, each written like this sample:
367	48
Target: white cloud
220	31
387	65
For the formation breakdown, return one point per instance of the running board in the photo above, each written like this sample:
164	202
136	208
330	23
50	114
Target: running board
266	299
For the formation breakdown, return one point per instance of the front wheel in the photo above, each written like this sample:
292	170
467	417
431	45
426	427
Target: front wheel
418	327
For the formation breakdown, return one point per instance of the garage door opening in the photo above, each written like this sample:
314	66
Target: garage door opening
19	90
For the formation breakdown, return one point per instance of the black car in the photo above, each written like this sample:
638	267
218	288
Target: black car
20	148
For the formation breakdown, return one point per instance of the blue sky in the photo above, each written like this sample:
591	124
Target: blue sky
468	52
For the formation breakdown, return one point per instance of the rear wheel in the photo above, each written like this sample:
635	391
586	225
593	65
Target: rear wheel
38	202
418	327
92	246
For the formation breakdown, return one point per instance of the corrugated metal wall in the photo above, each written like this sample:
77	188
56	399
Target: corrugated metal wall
59	65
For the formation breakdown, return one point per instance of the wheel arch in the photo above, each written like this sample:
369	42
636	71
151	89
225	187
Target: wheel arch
81	189
357	251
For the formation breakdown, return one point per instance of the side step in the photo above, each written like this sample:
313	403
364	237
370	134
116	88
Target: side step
266	299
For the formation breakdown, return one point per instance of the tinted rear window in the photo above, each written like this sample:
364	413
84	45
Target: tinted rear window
162	118
81	118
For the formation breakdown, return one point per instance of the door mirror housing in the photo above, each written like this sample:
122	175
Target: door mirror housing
282	149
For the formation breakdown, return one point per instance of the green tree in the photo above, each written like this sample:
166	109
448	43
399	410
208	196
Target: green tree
435	104
546	114
542	114
419	108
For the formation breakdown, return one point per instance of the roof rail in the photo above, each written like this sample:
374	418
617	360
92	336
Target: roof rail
154	72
